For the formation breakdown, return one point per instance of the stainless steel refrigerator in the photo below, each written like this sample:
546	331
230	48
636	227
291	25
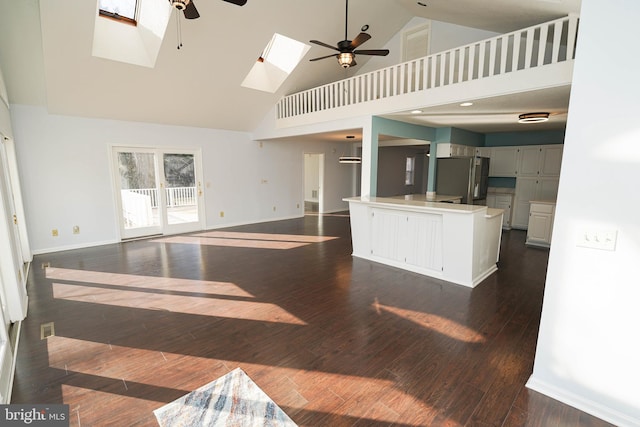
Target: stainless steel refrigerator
463	176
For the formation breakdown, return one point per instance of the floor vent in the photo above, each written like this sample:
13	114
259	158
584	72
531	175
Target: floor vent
47	330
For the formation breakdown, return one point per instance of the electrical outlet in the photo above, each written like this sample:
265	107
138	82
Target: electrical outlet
598	239
297	205
76	229
221	214
274	208
54	232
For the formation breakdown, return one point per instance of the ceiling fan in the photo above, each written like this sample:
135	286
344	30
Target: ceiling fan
189	8
347	49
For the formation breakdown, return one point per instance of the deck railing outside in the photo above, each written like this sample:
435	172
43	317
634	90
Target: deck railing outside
139	205
531	47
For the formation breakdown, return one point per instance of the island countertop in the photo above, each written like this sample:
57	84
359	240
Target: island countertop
416	204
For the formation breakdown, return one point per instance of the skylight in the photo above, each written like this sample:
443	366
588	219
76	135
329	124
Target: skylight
279	58
119	9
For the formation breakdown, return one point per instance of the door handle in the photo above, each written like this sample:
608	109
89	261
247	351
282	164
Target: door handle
15	219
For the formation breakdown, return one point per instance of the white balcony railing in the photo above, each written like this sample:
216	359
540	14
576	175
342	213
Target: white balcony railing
139	206
536	46
177	196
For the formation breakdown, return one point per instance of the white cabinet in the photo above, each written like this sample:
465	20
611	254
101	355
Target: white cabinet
539	160
529	161
528	189
502	201
504	161
407	238
483	152
540	223
551	160
447	149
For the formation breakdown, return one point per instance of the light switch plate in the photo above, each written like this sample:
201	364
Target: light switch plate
599	239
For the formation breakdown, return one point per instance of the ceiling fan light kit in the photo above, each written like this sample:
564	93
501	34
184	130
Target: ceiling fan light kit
533	117
346	59
347	49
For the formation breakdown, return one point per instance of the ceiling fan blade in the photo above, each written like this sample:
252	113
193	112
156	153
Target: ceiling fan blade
190	12
361	38
323	57
237	2
376	52
324	44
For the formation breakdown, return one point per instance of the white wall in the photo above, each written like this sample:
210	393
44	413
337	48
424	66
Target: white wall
588	351
66	177
444	36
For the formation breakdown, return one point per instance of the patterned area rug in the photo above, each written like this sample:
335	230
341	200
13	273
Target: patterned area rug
231	400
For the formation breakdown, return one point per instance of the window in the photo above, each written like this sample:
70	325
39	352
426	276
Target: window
121	10
277	61
409	171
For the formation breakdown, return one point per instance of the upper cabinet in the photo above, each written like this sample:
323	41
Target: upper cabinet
447	149
504	161
539	160
526	160
551	160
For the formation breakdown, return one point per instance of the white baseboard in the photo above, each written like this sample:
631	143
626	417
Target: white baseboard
70	247
586	405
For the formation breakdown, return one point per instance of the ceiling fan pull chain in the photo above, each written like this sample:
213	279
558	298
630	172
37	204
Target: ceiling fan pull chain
179	30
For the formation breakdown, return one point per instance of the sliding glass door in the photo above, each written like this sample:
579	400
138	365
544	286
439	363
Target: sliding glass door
159	191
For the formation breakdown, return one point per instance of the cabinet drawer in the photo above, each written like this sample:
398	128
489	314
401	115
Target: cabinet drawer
541	208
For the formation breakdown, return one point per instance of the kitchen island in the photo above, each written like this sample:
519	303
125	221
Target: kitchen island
453	242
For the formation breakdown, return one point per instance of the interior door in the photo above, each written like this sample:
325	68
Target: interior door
159	191
12	265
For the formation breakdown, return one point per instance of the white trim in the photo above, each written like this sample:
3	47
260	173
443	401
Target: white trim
71	247
579	402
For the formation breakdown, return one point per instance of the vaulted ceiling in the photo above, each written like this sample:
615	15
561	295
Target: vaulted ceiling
45	53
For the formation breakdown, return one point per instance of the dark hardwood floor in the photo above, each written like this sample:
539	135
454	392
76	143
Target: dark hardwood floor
333	340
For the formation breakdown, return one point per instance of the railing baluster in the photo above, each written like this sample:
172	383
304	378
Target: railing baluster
472	62
504	47
517	39
571	37
542	44
492	56
481	59
557	37
528	53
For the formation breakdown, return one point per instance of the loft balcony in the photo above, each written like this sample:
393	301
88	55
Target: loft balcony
530	59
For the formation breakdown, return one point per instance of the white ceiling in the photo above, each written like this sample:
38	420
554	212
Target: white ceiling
45	51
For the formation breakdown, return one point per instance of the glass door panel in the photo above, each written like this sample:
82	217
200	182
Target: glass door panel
181	189
139	193
159	191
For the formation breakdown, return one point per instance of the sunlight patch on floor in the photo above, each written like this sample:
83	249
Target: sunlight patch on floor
233	243
246	240
207	287
197	305
95	372
301	238
434	322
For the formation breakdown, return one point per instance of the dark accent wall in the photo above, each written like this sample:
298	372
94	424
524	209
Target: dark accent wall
502	139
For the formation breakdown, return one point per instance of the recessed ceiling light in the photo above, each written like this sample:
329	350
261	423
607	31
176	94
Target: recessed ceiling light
416	111
533	117
466	104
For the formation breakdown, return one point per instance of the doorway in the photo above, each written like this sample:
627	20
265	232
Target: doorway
313	182
158	191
